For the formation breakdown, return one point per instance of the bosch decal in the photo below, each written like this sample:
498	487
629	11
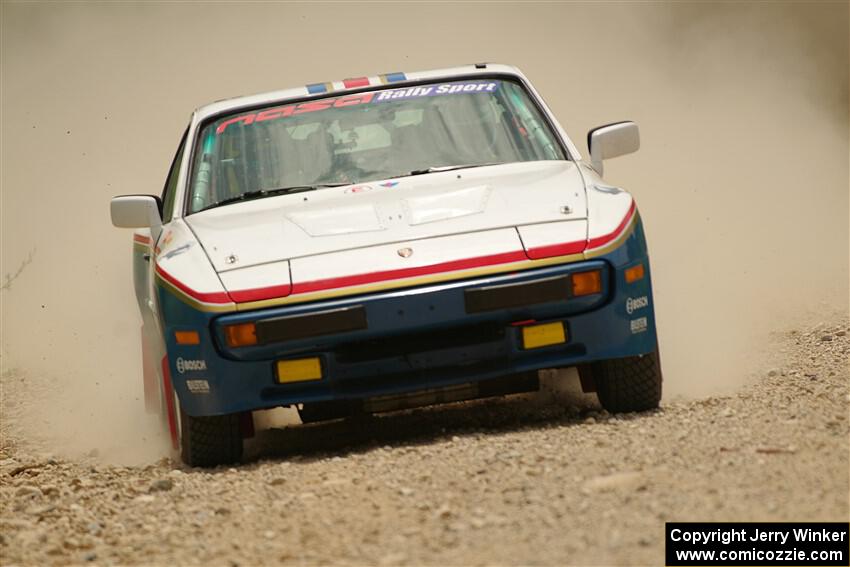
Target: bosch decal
635	303
187	365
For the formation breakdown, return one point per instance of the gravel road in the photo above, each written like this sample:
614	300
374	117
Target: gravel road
526	480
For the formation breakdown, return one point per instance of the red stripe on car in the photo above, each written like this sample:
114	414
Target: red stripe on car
567	248
563	249
360	279
260	293
215	297
168	391
358	82
606	238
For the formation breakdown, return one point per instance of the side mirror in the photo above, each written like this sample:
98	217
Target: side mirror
137	211
612	140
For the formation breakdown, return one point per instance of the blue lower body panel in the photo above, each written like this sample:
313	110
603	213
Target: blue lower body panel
414	339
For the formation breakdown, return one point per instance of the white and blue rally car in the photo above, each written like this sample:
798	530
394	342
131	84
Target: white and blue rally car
381	243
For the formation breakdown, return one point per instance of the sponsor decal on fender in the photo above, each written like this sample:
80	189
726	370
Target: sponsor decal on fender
198	386
638	325
187	365
635	303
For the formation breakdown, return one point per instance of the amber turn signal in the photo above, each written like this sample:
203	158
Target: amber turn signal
242	334
634	273
187	337
586	283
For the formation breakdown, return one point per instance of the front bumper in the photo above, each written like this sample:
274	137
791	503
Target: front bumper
414	339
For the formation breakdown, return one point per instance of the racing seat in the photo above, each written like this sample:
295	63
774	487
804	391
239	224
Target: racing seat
426	144
305	161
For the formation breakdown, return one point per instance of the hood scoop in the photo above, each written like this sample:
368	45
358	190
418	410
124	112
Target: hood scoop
446	205
337	220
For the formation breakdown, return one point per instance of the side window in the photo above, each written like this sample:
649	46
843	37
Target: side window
171	183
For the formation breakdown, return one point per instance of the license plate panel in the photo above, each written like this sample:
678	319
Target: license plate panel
547	334
300	370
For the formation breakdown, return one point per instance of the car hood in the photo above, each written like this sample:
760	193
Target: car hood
459	202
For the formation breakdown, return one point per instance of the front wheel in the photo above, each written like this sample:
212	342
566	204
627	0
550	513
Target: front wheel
628	384
207	441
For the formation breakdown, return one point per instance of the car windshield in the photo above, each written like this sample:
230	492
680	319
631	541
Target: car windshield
367	136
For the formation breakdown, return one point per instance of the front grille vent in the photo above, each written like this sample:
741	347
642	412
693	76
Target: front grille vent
400	345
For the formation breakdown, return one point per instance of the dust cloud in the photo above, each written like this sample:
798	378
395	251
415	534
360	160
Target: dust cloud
742	179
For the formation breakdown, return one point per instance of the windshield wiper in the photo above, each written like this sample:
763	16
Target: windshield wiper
439	168
260	193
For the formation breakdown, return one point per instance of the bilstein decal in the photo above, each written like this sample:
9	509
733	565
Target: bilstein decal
638	325
198	386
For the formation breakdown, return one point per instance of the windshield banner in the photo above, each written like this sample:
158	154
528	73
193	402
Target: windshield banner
466	87
437	90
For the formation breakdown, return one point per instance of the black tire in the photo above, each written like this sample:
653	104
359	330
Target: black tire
207	441
325	411
628	384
